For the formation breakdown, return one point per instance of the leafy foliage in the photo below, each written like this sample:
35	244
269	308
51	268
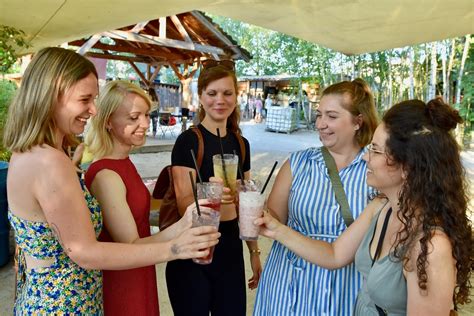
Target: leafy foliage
11	40
7	91
466	107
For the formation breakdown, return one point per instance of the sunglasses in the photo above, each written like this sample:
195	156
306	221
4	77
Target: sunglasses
211	63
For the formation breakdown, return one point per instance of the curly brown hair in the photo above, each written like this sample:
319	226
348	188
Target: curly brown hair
434	194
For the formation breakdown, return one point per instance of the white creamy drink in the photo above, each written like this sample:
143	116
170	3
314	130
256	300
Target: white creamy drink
250	208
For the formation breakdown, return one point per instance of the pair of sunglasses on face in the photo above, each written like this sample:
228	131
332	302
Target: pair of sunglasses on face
211	63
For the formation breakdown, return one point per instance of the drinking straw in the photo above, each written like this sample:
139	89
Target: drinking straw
196	166
241	174
269	176
193	185
222	157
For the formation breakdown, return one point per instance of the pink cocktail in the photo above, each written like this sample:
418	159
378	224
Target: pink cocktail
208	217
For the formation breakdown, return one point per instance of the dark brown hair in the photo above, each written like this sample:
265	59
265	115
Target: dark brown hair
434	193
361	103
211	74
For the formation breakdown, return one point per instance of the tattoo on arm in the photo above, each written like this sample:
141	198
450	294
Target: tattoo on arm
175	249
57	233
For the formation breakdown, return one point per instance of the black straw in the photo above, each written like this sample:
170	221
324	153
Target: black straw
240	173
222	157
196	166
193	185
269	176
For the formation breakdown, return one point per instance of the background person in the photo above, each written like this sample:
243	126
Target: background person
303	198
258	109
219	287
413	245
155	109
55	219
243	105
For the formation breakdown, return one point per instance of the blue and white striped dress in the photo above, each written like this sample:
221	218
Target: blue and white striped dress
292	286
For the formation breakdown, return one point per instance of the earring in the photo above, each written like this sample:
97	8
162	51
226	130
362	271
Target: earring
356	127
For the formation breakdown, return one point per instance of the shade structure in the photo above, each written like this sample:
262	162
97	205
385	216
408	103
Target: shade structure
347	26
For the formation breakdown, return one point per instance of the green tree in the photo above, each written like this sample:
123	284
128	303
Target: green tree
11	40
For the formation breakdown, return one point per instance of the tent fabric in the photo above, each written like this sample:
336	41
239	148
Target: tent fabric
347	26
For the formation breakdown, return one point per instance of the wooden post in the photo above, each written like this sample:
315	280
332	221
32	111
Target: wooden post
186	77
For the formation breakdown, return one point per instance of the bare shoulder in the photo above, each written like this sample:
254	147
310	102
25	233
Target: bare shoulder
39	160
107	180
107	176
440	246
376	205
439	252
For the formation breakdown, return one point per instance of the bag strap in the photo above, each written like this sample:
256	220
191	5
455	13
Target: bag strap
379	249
200	153
382	236
341	197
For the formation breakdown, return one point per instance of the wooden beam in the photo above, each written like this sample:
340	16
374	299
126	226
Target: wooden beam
155	52
217	33
176	72
186	74
194	33
162	33
148	39
155	73
148	71
139	26
88	45
181	29
118	57
139	73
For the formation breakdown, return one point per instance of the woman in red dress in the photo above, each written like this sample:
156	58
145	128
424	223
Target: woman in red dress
121	124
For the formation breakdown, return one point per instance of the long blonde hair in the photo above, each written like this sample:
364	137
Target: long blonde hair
50	74
98	138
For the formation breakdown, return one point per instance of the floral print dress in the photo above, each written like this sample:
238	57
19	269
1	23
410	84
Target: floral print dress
63	288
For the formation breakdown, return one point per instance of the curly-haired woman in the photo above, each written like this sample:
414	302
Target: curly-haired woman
413	244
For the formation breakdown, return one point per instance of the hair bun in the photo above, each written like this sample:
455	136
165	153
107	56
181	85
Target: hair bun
442	115
362	84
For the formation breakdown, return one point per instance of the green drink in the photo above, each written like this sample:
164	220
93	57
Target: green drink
229	164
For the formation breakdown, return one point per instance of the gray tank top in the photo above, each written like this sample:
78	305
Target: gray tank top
384	282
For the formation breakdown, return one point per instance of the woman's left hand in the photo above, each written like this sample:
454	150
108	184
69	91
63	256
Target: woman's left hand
187	220
257	270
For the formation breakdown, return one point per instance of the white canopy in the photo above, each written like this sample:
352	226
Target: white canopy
348	26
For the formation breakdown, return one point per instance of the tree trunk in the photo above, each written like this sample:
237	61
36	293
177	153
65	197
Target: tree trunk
411	89
187	93
450	69
390	81
461	68
434	66
443	63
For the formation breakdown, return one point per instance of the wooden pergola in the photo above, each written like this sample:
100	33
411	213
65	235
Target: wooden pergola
179	41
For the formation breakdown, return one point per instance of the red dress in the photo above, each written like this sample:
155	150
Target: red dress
128	292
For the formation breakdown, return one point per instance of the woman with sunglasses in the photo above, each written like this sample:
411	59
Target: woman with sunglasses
55	218
413	243
219	287
303	198
120	126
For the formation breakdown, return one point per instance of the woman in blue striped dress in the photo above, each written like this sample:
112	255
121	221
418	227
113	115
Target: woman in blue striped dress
303	198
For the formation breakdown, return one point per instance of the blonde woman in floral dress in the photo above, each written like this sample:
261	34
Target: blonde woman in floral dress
55	228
